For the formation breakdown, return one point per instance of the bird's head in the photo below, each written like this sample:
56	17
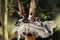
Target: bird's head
35	18
30	13
24	15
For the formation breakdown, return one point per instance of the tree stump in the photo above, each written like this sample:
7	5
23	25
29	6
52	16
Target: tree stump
35	30
30	37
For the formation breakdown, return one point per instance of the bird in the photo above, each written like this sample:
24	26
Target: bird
30	16
37	20
48	30
20	19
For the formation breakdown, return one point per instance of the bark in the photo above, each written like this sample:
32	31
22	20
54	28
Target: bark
0	7
11	1
32	7
4	18
21	8
30	37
